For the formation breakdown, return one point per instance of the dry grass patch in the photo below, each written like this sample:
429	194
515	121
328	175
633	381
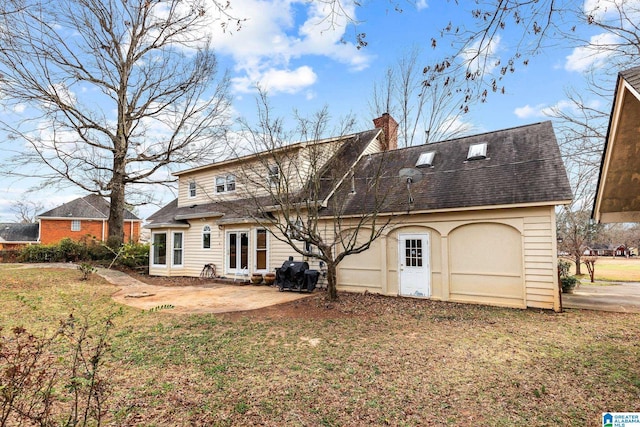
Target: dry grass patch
364	360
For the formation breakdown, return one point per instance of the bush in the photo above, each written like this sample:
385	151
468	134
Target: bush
131	255
41	253
567	282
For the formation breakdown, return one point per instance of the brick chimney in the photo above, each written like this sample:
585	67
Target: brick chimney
390	129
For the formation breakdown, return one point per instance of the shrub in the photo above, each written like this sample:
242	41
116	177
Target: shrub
134	255
41	253
567	281
86	270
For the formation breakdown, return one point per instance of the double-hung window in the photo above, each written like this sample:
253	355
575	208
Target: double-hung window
177	248
206	237
192	189
75	225
160	249
225	183
274	176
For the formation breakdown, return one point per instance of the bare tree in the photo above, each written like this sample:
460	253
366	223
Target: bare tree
27	210
304	199
427	104
110	93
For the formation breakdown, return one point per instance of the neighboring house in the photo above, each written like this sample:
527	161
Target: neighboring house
480	228
618	192
17	235
81	218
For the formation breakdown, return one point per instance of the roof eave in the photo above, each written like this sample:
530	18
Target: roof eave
468	208
166	225
201	215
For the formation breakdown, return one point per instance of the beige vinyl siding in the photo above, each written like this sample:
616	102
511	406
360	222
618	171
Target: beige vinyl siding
252	175
540	260
504	257
195	255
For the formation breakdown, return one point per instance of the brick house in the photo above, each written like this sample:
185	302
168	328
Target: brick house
84	217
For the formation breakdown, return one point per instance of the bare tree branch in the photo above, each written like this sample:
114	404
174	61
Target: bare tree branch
111	92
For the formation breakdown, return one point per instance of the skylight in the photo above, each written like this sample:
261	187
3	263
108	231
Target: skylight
477	151
426	159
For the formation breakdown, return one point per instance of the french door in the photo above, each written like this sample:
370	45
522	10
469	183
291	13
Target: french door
237	252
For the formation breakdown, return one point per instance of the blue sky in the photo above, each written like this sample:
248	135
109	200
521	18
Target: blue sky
303	64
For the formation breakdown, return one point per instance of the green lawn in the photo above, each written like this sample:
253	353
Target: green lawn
614	269
378	361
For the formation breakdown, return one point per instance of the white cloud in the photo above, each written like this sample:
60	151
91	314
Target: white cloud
595	54
422	4
481	58
276	80
543	110
528	111
275	33
606	9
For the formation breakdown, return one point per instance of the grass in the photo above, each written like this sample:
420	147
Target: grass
614	270
390	361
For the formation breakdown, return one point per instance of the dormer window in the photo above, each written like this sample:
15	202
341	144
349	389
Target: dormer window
477	151
225	183
192	189
426	159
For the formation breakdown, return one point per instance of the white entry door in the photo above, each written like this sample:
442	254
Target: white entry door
415	272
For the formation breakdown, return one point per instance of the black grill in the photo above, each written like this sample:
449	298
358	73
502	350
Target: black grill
296	276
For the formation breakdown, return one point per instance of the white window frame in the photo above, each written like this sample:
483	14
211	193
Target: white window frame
206	230
266	250
154	249
225	183
220	181
192	189
175	249
76	225
274	175
230	182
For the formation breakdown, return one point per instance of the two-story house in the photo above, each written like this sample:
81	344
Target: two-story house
468	220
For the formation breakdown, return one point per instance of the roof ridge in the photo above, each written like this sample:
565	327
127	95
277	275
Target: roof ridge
475	135
84	199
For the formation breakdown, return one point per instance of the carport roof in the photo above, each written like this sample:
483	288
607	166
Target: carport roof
618	192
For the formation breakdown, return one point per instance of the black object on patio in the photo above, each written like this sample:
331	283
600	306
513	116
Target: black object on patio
296	276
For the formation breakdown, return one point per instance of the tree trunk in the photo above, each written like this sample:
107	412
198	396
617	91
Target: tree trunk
577	261
116	215
332	280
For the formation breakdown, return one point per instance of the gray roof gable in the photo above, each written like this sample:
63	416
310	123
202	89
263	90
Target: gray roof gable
523	166
90	207
15	232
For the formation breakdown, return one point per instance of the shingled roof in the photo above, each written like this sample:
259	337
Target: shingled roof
88	207
18	233
337	168
632	76
522	166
